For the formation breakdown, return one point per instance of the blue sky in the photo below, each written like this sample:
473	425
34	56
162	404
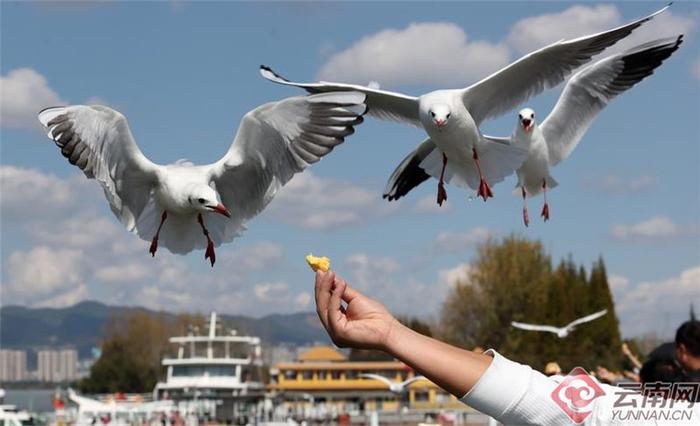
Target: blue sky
184	73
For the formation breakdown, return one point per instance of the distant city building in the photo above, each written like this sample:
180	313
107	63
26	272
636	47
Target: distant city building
13	365
57	365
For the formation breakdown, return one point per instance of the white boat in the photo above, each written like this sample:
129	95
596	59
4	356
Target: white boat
11	416
219	367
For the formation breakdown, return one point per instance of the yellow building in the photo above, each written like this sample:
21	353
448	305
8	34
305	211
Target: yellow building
323	375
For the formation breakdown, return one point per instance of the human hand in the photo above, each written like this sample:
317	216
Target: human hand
626	349
364	323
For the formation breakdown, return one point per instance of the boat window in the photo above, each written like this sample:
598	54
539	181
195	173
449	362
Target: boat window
201	370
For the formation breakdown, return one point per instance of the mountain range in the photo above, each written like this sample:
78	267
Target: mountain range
81	326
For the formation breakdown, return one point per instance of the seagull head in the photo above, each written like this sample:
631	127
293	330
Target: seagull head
204	199
526	119
440	114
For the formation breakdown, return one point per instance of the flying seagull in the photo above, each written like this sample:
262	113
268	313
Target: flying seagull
452	117
185	207
394	387
583	97
561	332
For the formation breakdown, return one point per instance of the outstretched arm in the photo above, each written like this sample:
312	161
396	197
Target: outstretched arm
365	323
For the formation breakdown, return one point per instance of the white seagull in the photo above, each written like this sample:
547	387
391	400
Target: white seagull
394	387
452	117
173	205
561	332
585	95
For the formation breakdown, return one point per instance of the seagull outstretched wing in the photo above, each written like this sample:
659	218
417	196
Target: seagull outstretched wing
382	379
535	327
587	318
274	142
542	69
407	382
98	141
592	88
382	104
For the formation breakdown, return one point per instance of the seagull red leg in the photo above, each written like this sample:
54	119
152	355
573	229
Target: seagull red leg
484	188
154	242
526	217
545	208
209	253
442	193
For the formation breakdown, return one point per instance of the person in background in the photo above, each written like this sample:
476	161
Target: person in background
688	349
510	392
552	369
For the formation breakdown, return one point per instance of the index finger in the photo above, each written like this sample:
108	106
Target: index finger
322	292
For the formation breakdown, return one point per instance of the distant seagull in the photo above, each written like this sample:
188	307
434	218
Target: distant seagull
274	141
395	387
561	332
452	117
585	95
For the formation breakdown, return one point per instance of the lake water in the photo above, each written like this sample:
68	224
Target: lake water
37	400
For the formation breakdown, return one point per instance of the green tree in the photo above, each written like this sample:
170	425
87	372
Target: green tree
132	351
512	280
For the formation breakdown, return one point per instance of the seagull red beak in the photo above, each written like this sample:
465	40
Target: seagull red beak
527	124
221	209
440	122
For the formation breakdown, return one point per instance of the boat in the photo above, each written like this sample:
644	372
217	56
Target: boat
11	416
218	374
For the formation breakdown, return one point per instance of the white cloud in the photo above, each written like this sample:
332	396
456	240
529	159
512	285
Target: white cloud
268	291
538	31
659	227
535	32
457	274
422	53
29	192
614	184
42	274
23	93
664	303
441	53
618	283
302	301
312	202
454	242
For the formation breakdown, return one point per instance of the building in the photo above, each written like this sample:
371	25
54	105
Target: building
13	365
323	376
57	365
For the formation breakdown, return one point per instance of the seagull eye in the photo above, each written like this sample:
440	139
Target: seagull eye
448	115
201	200
432	114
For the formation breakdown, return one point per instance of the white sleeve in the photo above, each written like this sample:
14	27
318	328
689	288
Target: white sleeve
515	394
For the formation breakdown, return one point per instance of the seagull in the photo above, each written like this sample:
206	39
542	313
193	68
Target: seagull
561	332
173	205
394	387
583	97
452	118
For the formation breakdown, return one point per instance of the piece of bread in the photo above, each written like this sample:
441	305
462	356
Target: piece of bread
318	263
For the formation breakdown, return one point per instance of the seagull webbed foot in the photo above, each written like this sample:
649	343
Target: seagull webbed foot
441	194
484	190
545	211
